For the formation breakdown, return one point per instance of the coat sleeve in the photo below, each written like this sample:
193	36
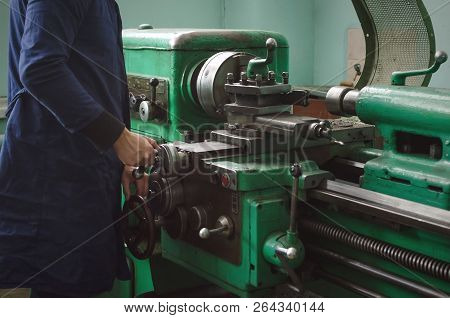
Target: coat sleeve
50	30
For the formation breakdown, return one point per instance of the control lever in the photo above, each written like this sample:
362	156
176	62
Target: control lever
259	66
140	171
399	78
290	253
296	172
148	109
224	227
284	249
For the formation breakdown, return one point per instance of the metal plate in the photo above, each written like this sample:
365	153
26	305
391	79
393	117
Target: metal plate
221	202
384	206
140	85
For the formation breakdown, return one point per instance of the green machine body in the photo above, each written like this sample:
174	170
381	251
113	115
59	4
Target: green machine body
176	109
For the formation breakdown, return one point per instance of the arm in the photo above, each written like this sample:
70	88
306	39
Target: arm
50	30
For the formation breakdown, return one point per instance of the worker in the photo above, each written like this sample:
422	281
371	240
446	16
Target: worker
66	149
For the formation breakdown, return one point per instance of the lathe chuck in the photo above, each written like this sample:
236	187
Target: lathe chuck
213	76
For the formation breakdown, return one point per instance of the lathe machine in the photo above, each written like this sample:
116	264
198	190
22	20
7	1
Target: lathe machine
250	197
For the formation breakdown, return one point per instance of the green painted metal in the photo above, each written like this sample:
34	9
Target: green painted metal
405	174
283	240
178	54
263	185
261	65
253	274
399	78
198	40
418	111
264	191
261	172
430	244
175	55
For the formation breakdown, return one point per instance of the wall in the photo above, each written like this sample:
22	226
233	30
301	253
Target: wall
292	18
439	10
172	13
331	22
333	18
316	29
4	18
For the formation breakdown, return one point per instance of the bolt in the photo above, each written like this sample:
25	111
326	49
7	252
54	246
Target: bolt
285	76
244	78
296	170
258	79
272	76
230	78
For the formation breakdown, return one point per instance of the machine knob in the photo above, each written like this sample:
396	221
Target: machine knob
323	130
135	101
290	253
139	172
441	57
224	227
296	170
147	111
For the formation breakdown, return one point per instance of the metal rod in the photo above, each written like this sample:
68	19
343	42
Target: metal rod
349	285
383	206
407	258
293	214
378	273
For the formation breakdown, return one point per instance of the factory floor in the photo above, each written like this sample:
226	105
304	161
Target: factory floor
18	293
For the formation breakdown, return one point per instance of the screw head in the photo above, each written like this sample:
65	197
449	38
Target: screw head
258	79
271	75
230	78
296	170
244	77
285	76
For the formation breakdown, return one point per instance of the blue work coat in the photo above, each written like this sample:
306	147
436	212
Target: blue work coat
60	191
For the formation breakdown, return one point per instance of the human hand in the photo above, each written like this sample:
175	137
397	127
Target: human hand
128	180
135	150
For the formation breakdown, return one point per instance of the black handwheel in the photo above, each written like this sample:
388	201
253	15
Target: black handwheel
138	227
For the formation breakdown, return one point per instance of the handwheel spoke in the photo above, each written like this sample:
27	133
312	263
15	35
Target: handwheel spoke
139	232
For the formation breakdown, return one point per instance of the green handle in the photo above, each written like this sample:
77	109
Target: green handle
399	78
259	65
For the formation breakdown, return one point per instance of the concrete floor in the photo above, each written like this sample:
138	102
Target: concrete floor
18	293
3	103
